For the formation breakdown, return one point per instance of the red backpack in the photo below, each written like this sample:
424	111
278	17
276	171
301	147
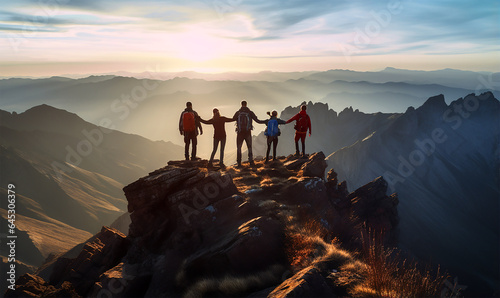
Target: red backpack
188	122
302	123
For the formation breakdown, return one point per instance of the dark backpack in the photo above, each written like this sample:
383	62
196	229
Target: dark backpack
272	128
302	123
188	122
243	122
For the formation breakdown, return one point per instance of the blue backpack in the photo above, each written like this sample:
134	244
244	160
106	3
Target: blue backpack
272	128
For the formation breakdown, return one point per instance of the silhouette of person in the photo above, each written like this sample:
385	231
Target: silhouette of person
302	124
272	132
218	122
189	124
243	118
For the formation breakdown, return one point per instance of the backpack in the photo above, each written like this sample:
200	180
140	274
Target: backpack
302	123
272	128
188	122
243	122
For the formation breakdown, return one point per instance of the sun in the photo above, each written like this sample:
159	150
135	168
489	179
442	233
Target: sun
198	46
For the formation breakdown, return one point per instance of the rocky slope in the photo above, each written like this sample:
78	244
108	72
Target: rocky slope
236	232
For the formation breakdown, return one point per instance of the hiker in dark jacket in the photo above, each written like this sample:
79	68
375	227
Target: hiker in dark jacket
272	132
302	124
243	118
218	122
189	124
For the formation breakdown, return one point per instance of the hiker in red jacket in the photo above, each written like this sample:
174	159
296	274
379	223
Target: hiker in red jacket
188	126
302	124
218	122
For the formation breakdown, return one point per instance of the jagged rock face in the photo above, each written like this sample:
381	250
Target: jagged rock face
443	161
194	231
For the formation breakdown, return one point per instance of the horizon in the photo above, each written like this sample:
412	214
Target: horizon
100	37
139	75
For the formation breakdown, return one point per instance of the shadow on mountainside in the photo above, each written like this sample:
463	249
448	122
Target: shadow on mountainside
279	229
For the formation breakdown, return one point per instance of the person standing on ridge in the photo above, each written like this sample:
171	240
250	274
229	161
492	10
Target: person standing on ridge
189	124
272	132
302	124
243	118
218	122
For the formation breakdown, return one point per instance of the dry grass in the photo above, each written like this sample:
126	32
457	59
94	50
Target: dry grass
389	275
304	244
382	272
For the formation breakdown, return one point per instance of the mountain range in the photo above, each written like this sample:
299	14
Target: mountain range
68	175
150	105
444	163
439	153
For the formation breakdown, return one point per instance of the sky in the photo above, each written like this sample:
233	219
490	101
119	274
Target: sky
56	37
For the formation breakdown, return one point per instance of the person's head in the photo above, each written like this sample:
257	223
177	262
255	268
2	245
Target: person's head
189	105
244	103
274	114
216	112
303	107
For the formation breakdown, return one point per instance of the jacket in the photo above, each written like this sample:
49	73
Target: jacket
297	117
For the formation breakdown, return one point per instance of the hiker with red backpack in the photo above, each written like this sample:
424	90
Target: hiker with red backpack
243	118
218	122
302	124
272	133
188	126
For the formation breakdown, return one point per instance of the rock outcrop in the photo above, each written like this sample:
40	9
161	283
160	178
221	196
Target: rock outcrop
196	232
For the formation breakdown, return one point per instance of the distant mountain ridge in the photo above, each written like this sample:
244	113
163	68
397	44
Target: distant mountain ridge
127	101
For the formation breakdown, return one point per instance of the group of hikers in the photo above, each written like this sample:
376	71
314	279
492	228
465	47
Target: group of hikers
190	127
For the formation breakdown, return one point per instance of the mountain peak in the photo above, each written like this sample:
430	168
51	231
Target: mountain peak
435	102
236	223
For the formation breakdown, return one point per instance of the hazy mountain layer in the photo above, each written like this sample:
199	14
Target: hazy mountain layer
69	175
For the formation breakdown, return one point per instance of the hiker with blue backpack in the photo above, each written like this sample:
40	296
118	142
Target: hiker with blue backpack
243	118
272	133
189	124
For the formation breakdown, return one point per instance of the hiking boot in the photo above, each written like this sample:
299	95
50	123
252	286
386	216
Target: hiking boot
187	157
297	154
238	165
266	161
222	166
252	164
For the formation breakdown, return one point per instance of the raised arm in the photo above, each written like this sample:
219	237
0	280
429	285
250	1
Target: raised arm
252	115
198	123
211	121
225	119
309	124
293	118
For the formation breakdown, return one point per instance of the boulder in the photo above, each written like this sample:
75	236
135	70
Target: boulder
315	166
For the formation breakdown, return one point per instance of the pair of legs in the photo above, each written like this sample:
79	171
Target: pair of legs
190	137
274	141
216	145
302	137
247	137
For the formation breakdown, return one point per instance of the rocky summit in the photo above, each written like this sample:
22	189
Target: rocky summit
278	229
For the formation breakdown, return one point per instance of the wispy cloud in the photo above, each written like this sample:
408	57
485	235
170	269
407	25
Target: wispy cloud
257	28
